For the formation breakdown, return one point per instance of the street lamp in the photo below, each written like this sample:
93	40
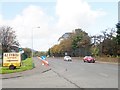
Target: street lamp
32	40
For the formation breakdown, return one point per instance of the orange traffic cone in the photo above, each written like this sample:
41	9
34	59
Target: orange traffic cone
45	62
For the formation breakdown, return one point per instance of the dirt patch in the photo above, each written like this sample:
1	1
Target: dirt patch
108	59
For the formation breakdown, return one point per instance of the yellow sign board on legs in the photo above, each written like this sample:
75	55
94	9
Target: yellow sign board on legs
11	59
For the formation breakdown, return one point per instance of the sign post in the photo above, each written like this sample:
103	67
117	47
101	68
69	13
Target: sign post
11	60
44	61
21	50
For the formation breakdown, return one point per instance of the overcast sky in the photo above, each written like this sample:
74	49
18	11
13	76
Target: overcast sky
56	17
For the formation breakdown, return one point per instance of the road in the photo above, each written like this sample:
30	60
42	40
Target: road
63	74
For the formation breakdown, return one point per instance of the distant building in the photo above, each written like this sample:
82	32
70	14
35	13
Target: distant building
65	36
69	34
14	48
78	30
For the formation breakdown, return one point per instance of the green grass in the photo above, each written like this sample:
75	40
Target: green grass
26	65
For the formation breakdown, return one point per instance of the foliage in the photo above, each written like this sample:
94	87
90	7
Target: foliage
75	42
80	39
109	47
7	38
40	53
72	44
49	52
65	45
94	50
27	52
106	42
118	33
79	43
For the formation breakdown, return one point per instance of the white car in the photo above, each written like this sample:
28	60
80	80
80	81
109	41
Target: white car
67	58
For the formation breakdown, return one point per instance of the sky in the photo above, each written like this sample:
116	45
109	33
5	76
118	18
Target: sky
40	23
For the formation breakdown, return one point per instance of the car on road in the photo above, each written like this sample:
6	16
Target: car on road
89	59
67	58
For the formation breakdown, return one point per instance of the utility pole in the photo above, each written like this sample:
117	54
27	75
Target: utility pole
32	40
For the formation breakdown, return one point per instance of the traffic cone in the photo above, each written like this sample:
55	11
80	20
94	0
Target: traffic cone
45	62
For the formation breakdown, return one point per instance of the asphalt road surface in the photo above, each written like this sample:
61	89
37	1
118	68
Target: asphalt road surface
64	74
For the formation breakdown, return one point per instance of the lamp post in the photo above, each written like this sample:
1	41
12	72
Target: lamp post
32	40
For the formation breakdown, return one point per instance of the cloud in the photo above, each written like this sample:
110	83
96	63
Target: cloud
70	14
26	25
2	22
76	14
31	18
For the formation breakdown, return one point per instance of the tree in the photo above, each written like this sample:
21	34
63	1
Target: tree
65	46
7	38
81	43
75	43
27	52
40	53
94	50
49	52
118	33
118	38
106	42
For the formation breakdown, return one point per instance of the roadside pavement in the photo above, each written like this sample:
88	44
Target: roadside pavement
38	69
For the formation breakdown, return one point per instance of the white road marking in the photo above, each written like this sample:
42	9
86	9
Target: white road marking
103	74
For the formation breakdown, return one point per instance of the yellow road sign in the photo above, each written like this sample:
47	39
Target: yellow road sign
11	59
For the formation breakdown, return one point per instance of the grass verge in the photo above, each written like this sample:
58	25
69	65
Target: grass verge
26	65
106	59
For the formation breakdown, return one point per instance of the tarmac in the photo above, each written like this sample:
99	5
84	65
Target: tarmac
38	68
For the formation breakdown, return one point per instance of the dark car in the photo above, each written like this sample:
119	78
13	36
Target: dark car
89	59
